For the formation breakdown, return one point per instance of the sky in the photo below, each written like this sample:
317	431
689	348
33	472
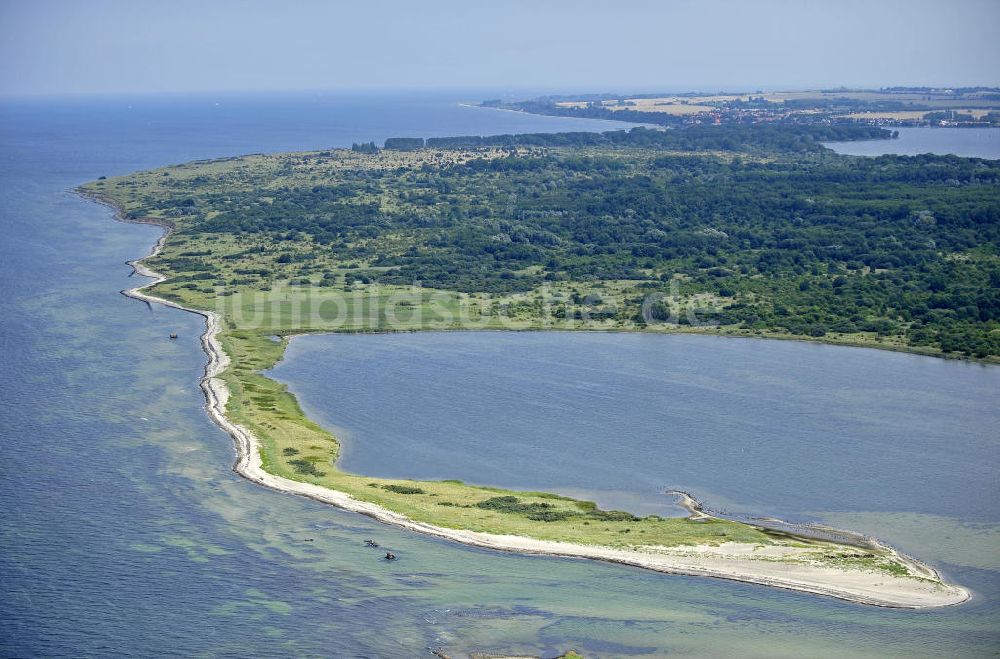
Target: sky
138	46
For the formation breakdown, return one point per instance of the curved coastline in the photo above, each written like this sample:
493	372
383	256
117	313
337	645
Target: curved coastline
731	561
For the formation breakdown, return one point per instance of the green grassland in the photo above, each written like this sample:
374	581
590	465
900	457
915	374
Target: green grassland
528	237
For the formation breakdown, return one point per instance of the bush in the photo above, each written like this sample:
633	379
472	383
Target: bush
551	515
539	512
612	516
303	466
403	489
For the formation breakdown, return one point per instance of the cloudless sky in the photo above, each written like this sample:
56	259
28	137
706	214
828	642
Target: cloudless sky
68	46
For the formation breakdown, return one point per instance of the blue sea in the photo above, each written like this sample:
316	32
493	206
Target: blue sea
124	532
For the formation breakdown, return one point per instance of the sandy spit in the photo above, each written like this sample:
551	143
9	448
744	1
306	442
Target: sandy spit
769	566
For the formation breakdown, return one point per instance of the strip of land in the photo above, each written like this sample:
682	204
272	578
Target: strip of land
794	566
248	238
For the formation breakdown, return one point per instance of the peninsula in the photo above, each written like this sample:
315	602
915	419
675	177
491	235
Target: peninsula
751	231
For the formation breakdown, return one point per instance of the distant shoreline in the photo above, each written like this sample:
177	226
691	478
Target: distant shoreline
891	107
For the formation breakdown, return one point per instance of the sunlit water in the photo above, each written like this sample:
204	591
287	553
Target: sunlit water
123	530
968	142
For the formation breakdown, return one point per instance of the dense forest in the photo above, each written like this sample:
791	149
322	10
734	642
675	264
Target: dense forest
788	236
695	138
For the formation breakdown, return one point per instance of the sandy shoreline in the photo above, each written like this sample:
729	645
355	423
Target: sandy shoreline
770	566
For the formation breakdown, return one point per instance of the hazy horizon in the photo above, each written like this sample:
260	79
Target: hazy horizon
116	47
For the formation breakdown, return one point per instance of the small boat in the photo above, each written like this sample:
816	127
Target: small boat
308	540
371	543
173	335
389	556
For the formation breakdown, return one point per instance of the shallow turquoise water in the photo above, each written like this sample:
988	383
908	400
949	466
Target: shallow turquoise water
124	532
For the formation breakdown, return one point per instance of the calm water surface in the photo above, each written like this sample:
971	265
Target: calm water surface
765	426
124	532
968	142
